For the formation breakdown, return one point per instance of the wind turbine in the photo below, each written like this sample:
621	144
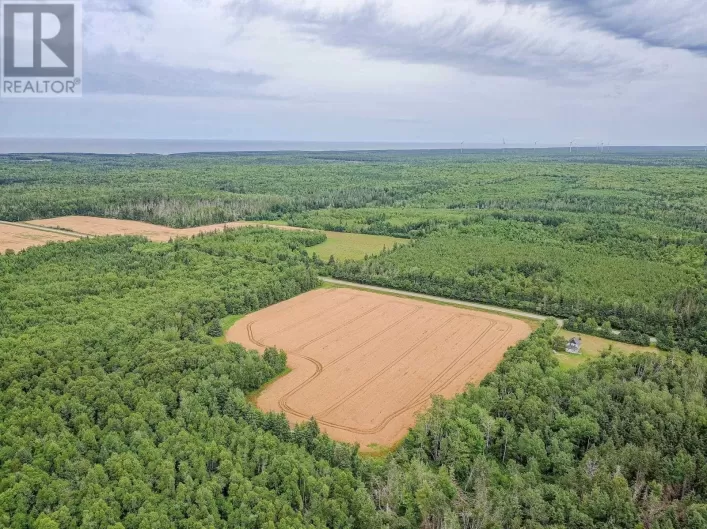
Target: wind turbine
504	144
573	144
535	146
461	150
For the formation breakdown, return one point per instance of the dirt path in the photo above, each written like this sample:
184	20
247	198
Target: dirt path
481	306
494	308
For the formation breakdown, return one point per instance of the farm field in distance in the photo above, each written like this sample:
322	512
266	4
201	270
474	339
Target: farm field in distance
96	226
363	364
342	246
17	237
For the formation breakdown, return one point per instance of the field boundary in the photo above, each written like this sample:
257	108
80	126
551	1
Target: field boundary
439	299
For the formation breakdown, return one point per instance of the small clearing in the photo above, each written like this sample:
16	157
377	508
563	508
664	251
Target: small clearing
354	246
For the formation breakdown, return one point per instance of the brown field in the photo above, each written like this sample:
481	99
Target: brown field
19	237
97	226
364	364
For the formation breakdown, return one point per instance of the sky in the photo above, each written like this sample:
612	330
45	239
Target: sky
624	72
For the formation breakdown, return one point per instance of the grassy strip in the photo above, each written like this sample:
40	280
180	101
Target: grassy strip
252	397
226	324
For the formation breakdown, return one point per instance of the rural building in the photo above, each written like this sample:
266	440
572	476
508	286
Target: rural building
574	346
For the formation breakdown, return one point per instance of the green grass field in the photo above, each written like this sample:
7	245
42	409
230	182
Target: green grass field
593	347
344	246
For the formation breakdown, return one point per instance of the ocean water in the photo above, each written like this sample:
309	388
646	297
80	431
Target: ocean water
126	146
145	146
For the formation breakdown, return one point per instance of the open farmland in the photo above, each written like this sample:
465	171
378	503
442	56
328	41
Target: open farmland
341	245
364	364
97	226
17	237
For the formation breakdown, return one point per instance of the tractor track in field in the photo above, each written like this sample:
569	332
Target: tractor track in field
439	299
375	362
417	400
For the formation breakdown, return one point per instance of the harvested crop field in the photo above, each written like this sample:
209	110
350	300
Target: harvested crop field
97	226
18	237
363	364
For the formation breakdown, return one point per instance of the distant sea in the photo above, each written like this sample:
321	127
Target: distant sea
125	146
142	146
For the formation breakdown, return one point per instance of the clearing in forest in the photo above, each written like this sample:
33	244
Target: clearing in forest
364	364
594	346
355	246
18	237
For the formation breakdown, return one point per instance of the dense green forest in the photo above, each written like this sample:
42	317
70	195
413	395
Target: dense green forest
118	410
193	190
616	238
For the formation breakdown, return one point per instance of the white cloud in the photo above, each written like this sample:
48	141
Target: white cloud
419	70
676	24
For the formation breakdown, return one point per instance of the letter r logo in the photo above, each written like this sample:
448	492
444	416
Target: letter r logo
39	40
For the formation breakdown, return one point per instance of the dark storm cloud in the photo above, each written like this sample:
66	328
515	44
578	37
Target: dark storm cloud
127	74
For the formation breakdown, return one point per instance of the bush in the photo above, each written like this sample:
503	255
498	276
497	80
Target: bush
214	328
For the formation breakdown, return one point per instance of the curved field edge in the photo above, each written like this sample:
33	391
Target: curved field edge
343	335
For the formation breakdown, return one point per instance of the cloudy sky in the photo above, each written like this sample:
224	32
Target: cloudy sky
631	72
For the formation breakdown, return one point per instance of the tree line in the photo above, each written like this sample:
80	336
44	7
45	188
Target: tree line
644	281
618	443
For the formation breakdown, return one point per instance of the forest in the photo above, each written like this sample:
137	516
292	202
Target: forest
119	410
